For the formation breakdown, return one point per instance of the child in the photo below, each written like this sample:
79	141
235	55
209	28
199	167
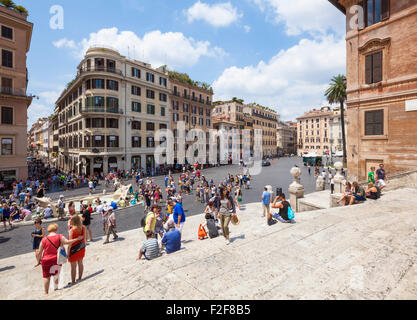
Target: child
37	236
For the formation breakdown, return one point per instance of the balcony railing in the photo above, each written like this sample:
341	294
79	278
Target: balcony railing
177	94
100	69
94	109
208	103
100	149
201	100
194	99
186	96
13	91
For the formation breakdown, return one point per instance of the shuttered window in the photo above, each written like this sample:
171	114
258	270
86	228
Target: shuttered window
374	123
373	68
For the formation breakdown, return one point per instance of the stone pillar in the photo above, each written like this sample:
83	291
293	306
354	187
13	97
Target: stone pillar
296	189
106	165
320	184
143	162
339	178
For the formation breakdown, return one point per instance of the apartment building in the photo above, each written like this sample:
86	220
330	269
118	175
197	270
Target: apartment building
267	120
313	132
109	113
287	138
381	85
192	105
236	115
15	39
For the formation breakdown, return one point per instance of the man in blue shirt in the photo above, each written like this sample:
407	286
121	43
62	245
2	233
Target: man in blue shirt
178	215
266	202
172	239
166	181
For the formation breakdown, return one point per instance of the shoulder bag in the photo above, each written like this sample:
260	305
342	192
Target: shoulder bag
61	255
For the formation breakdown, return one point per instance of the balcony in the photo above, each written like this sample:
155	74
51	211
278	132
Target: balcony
13	92
99	69
194	99
201	100
177	94
208	103
100	149
186	96
93	109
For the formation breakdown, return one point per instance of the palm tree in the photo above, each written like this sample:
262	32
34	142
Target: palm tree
336	93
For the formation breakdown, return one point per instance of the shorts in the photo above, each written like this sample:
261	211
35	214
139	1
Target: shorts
382	183
87	226
359	198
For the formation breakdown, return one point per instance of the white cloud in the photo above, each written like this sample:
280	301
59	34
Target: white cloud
217	15
155	47
293	81
247	28
299	16
50	97
38	110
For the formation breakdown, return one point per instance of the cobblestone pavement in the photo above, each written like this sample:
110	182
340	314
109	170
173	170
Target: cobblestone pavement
18	241
367	251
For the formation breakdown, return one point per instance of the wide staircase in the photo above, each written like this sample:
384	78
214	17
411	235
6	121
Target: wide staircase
366	251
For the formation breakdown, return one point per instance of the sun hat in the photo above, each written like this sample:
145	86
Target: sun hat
235	220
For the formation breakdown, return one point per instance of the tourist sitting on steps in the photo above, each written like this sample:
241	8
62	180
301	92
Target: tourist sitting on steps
347	195
373	192
284	208
150	248
358	194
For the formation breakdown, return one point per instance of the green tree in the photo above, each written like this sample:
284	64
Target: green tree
8	3
336	93
21	9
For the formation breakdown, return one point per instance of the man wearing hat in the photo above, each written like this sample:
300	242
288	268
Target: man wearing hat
61	206
111	225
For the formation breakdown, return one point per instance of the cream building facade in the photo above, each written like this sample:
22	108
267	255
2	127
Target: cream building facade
109	114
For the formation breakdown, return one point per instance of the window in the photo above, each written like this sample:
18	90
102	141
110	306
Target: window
162	111
163	82
136	91
136	142
175	117
150	94
162	126
112	104
112	123
97	123
112	85
98	142
99	63
374	123
185	119
150	109
208	112
150	143
373	68
150	77
150	126
376	11
201	111
112	141
201	121
136	107
135	73
136	125
185	107
175	105
7	32
194	110
162	97
88	123
6	115
88	84
6	58
98	83
111	65
208	123
6	147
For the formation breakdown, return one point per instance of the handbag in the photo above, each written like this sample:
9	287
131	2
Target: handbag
291	215
61	254
77	248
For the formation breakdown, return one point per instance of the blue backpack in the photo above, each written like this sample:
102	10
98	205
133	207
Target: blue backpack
291	215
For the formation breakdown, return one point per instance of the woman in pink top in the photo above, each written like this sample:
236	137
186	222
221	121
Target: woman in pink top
47	255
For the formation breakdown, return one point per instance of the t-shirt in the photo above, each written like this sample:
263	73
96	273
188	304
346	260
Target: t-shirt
178	210
87	217
266	198
172	239
91	185
380	174
48	213
371	177
283	212
22	196
151	248
149	217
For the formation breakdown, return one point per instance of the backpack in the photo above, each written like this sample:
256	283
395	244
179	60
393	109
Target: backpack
202	234
291	215
212	228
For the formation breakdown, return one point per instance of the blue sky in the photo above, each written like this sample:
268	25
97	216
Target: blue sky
278	53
